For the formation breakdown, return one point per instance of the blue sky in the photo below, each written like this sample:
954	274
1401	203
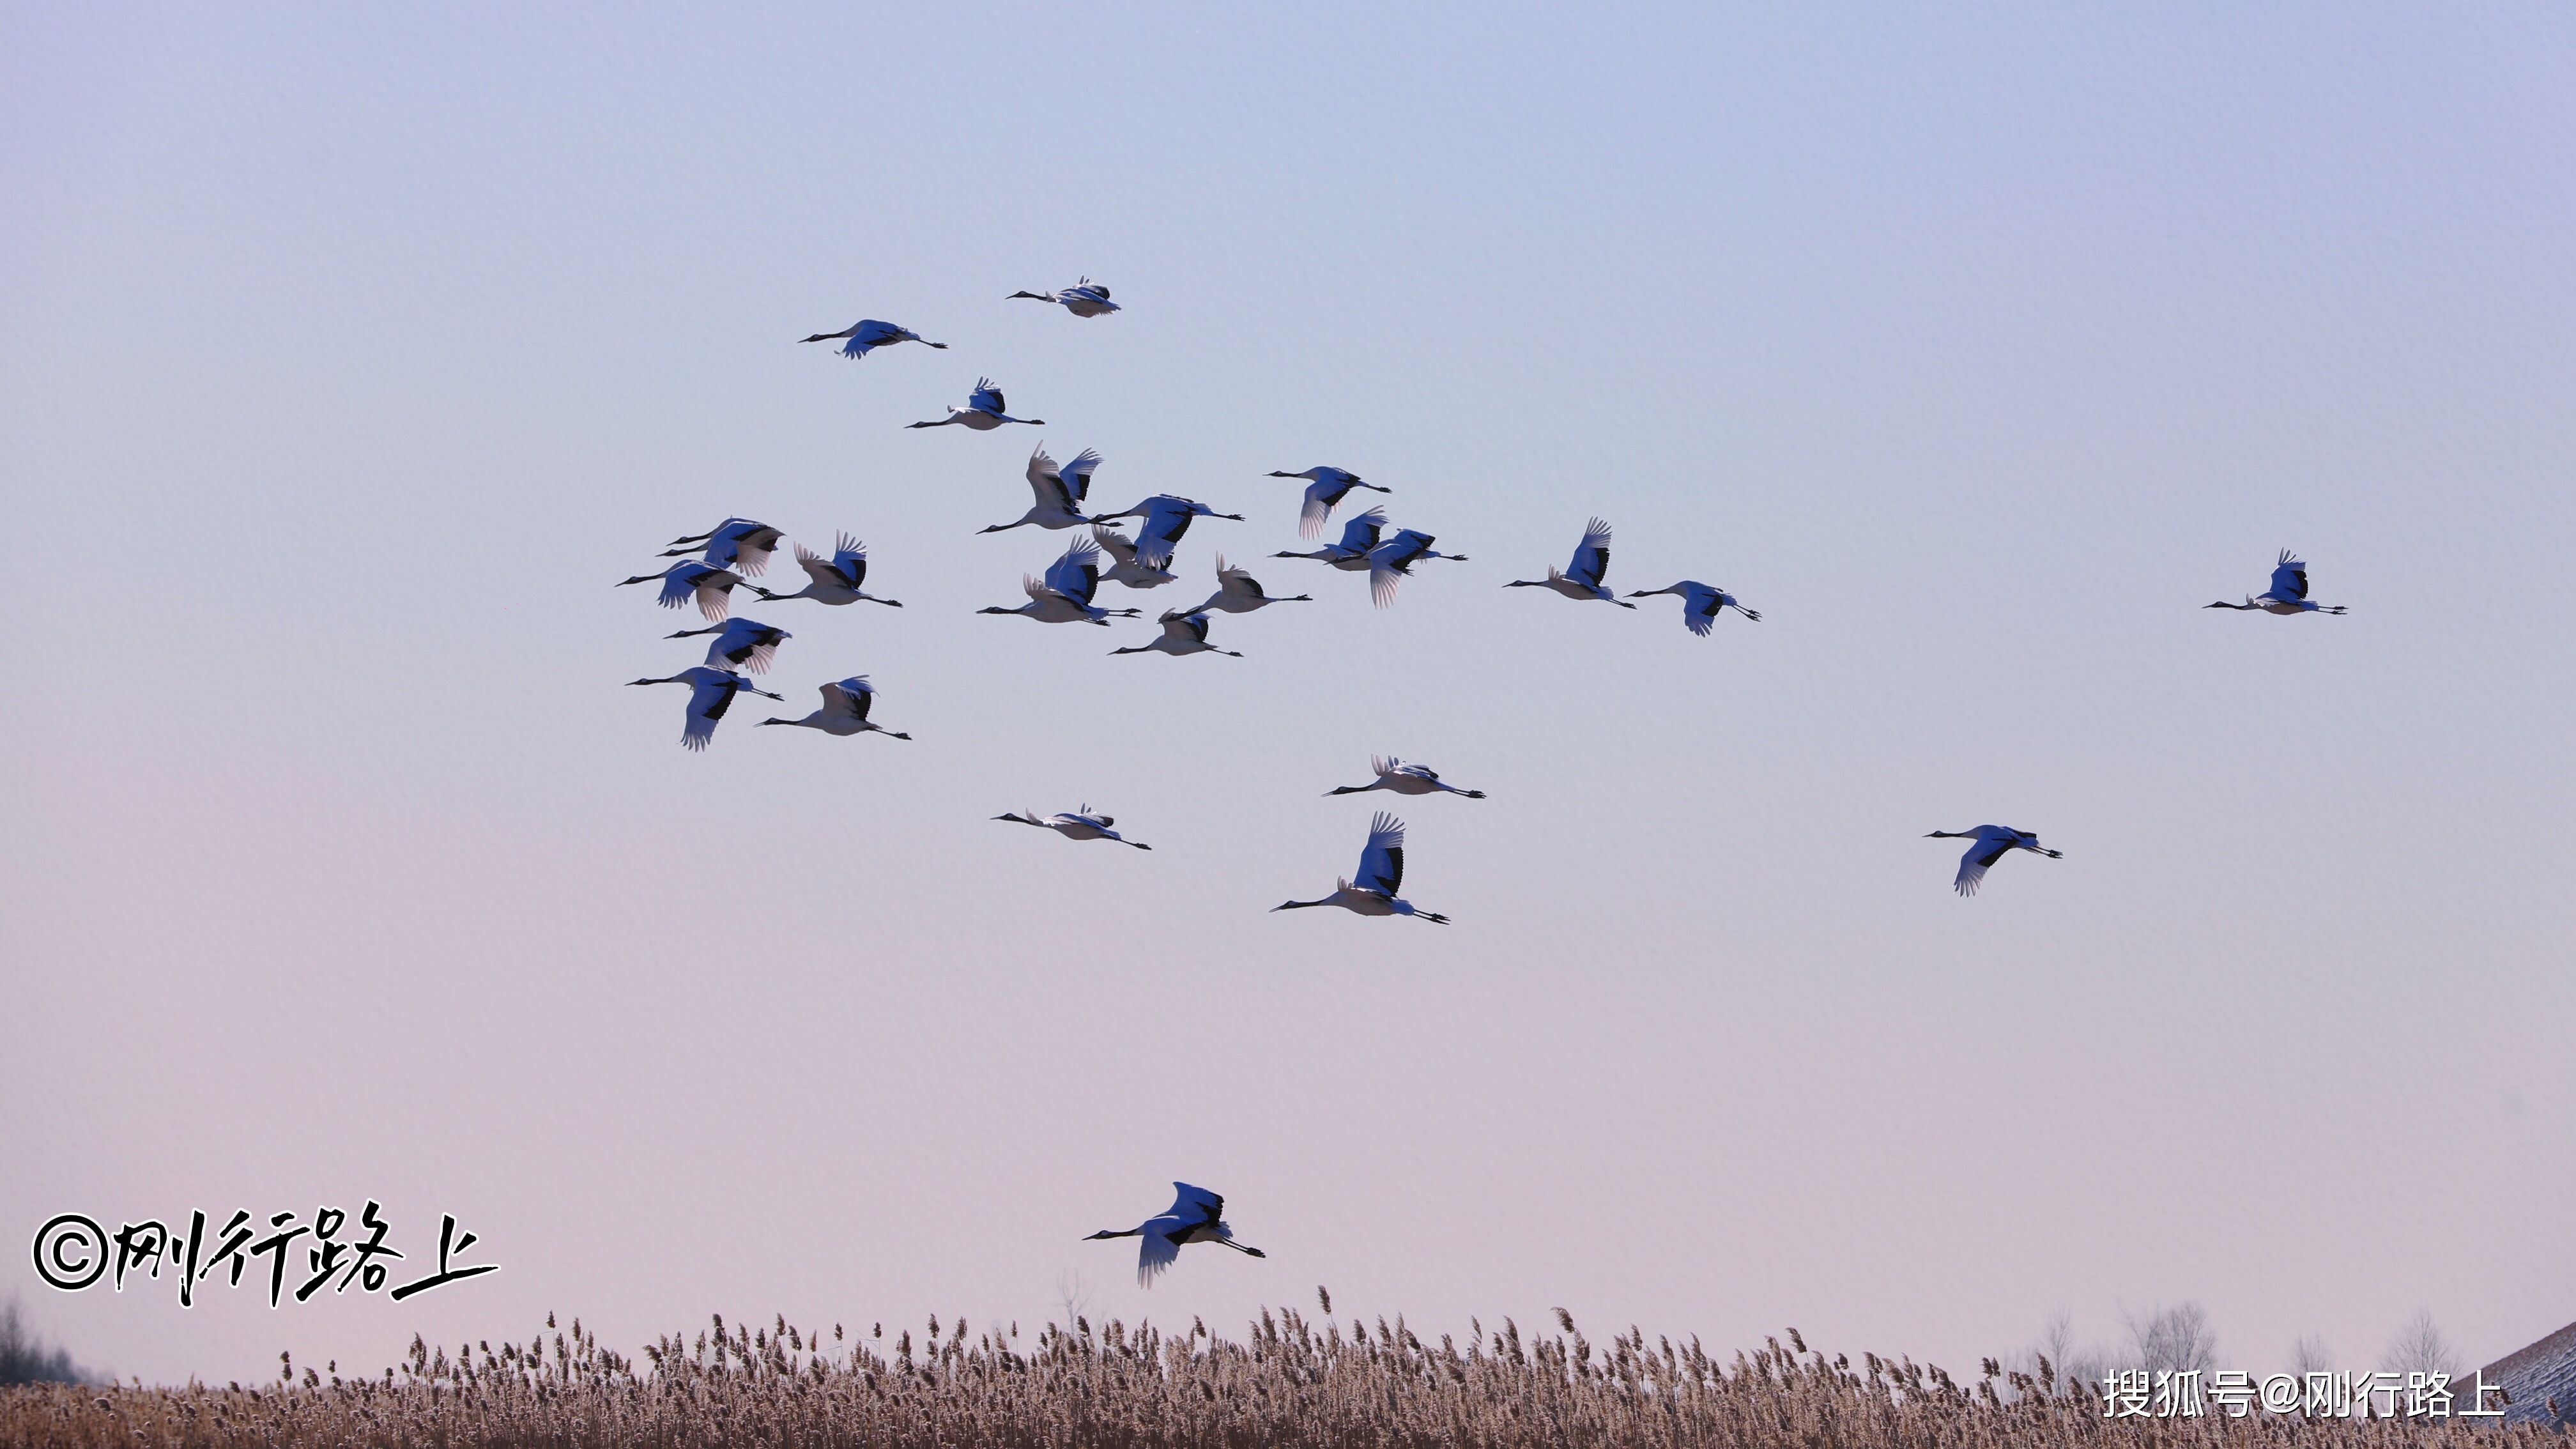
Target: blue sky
348	358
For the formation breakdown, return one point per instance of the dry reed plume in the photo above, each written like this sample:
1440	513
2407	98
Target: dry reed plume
1291	1382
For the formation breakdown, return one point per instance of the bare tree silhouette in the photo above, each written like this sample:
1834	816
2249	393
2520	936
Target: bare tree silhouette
24	1358
2168	1340
2420	1346
2172	1340
1073	1296
2069	1364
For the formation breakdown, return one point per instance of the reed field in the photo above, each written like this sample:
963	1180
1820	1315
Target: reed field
1291	1381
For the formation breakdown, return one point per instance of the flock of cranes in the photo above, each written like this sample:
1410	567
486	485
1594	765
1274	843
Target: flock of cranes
738	550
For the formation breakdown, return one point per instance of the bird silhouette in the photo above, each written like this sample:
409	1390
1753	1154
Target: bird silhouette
1325	490
835	580
1700	604
711	693
1381	875
1582	578
1992	842
2288	594
1085	299
1059	493
1076	825
1183	633
1196	1216
1394	774
983	411
844	711
866	336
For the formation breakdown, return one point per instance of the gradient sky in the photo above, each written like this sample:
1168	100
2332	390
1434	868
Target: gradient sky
348	357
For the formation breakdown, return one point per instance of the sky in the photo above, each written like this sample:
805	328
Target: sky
349	356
